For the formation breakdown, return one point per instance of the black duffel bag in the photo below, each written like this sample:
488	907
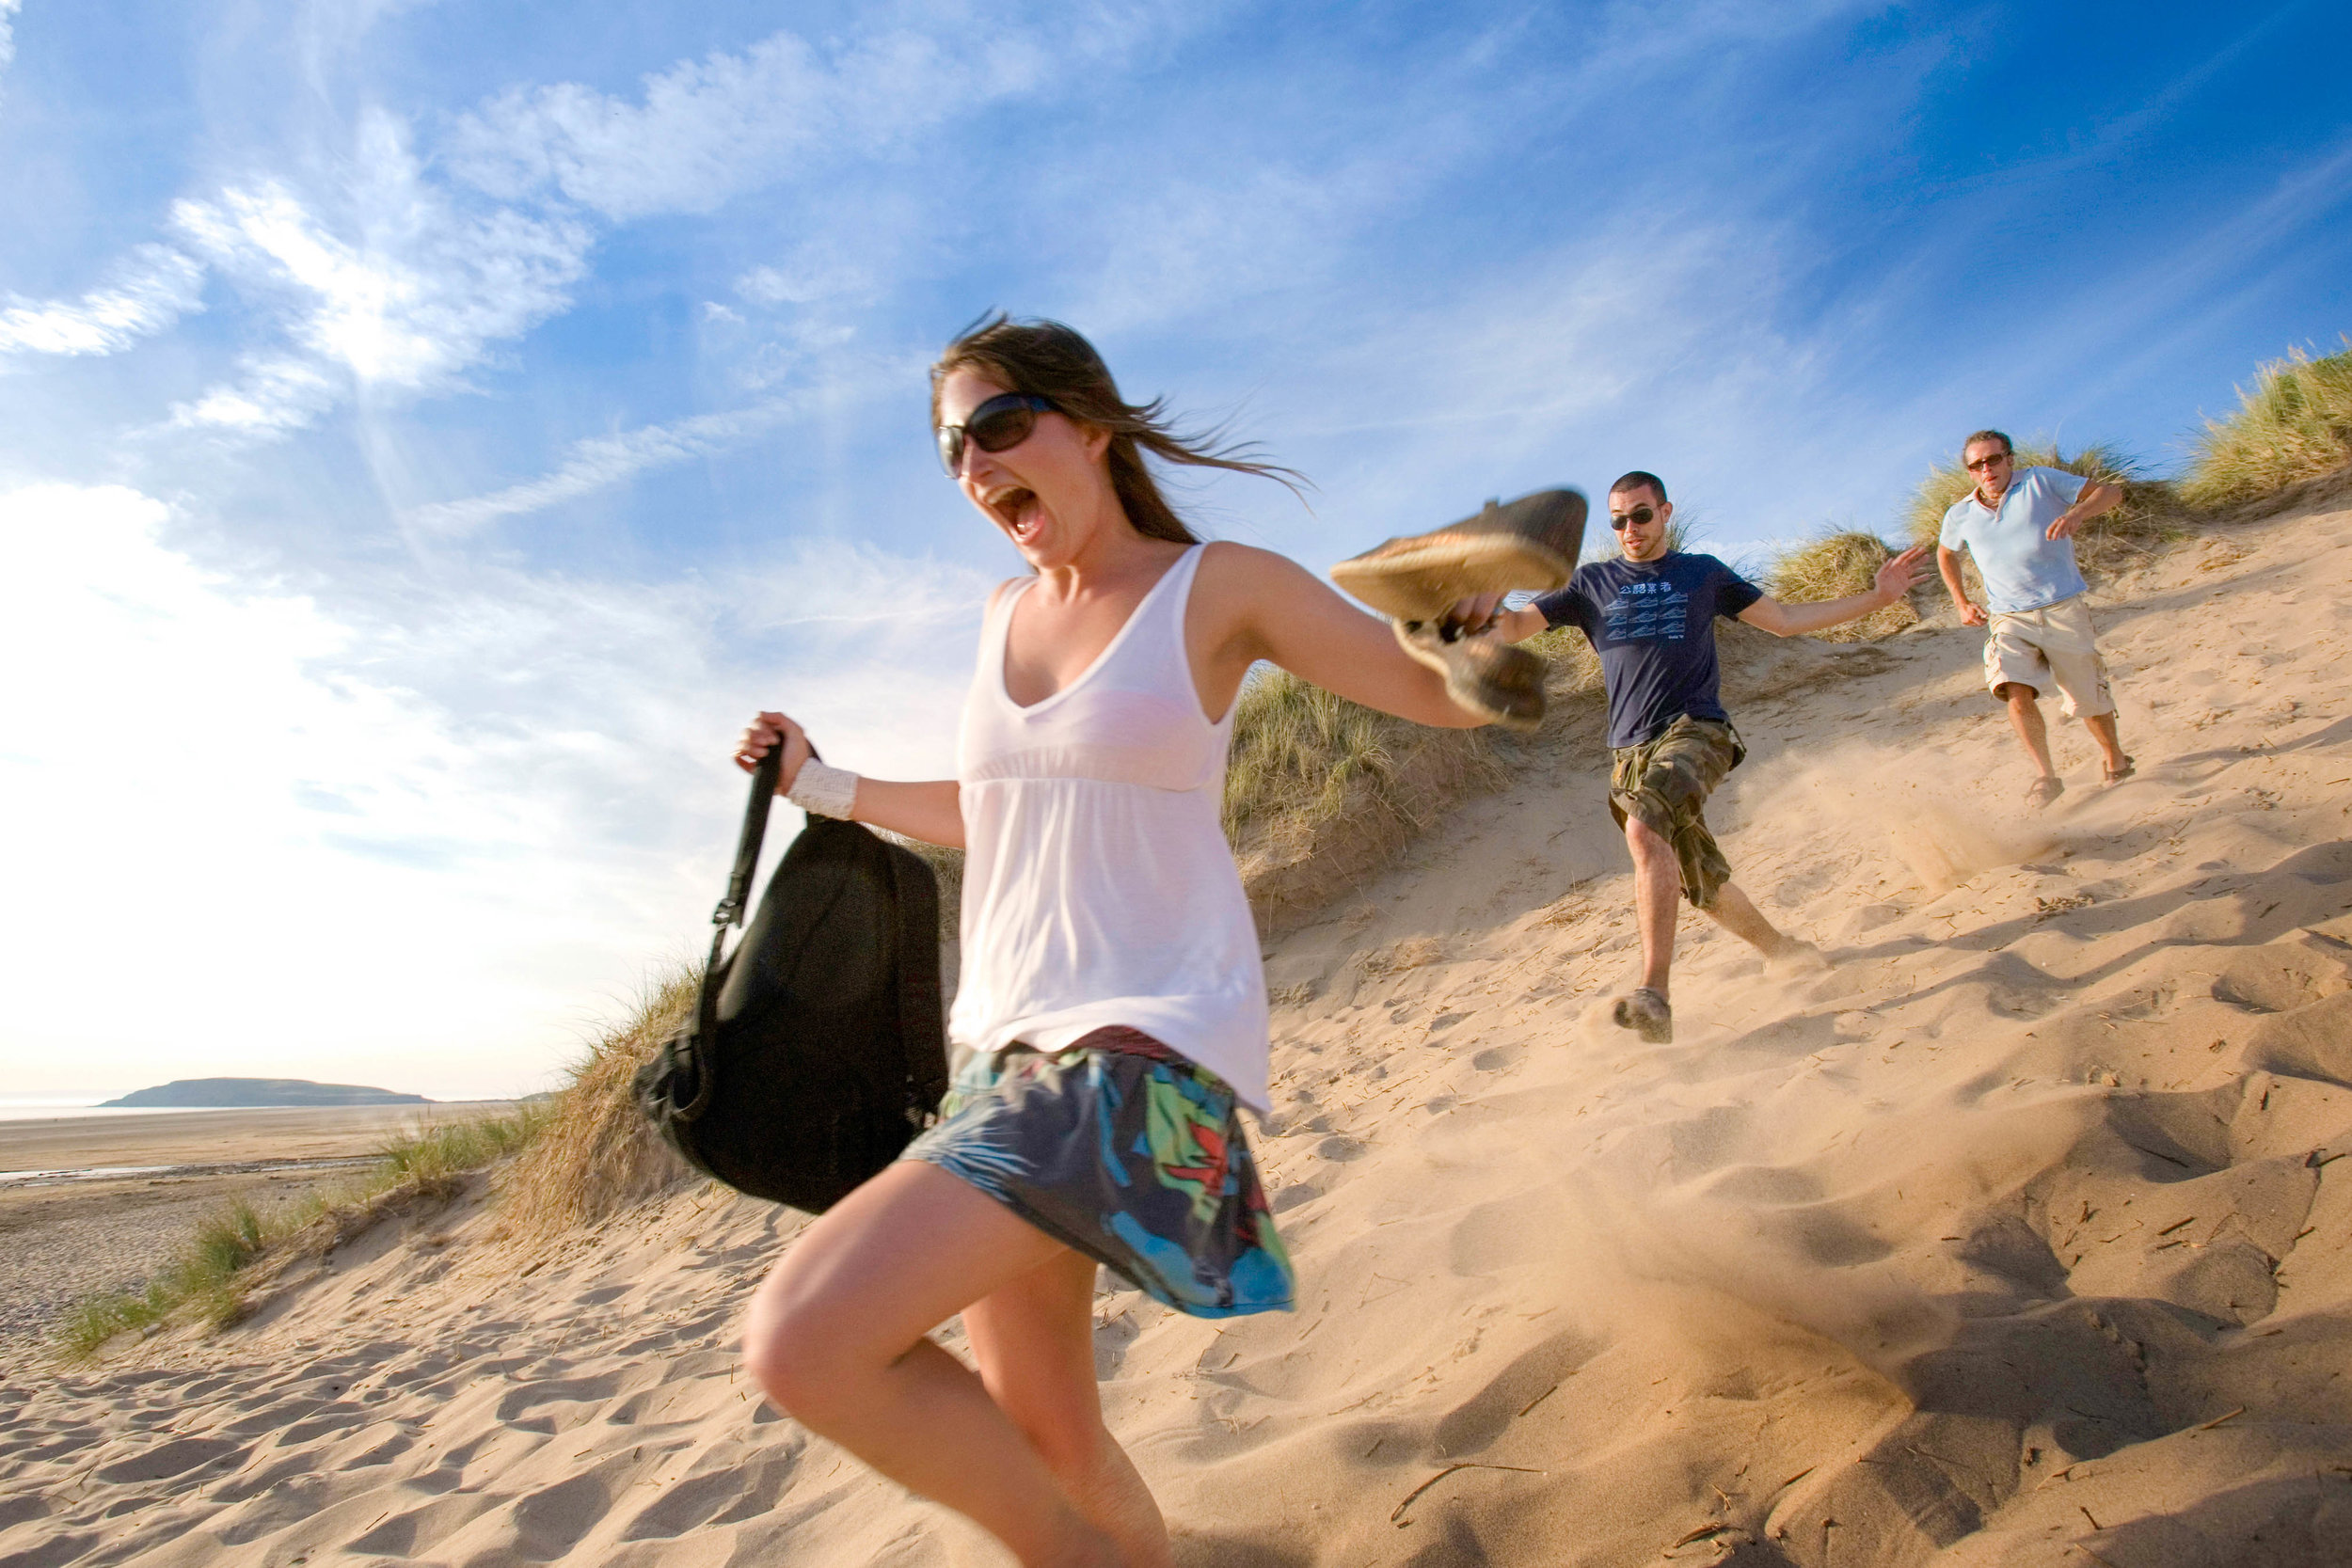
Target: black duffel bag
817	1049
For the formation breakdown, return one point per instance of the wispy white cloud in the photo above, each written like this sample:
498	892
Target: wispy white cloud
272	397
409	295
380	274
816	270
8	32
148	292
605	460
420	290
707	129
399	280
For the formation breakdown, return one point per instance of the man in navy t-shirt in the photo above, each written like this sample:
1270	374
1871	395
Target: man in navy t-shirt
1651	615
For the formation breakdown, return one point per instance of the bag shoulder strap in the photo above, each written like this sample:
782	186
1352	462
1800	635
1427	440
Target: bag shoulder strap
698	1062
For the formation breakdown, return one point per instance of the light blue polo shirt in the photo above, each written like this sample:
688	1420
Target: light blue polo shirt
2024	568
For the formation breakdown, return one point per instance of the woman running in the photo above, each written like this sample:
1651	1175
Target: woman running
1111	1009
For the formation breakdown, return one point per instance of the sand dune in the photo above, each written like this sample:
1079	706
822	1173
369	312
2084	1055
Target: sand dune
2018	1236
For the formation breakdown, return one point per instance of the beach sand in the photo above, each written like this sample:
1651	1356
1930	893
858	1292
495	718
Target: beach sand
2018	1236
62	1241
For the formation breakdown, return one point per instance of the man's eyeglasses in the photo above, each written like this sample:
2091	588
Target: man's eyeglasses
999	424
1641	516
1981	464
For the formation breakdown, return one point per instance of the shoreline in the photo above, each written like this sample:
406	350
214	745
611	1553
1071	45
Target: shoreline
11	1181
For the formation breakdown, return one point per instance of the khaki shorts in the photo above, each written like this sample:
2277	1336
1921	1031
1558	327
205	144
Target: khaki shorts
2053	646
1665	783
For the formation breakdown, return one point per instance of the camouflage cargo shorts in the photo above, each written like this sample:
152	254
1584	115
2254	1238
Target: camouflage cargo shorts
1665	783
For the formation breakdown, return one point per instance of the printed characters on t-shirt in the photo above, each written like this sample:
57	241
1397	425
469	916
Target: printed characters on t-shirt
1648	609
1653	623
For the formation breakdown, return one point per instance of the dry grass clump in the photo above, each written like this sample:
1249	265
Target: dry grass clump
1321	790
206	1282
2148	515
598	1154
1302	756
2294	424
201	1281
1837	564
1575	667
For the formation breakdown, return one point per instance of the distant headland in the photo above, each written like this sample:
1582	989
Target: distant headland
249	1092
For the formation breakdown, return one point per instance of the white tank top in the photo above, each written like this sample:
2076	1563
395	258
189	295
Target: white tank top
1098	887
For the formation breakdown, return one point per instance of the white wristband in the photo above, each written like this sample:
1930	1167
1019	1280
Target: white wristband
824	791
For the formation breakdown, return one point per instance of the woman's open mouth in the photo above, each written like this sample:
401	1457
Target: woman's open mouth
1016	506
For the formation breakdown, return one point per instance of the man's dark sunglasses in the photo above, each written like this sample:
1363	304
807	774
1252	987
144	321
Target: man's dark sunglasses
1002	422
1640	515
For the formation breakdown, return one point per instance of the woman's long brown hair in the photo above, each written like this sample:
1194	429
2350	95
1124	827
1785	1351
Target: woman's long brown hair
1053	362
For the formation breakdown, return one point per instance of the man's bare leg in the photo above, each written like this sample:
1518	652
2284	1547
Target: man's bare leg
1734	912
2101	728
1737	914
1657	892
2025	715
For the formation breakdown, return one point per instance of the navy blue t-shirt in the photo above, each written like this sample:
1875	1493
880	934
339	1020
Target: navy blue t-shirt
1653	623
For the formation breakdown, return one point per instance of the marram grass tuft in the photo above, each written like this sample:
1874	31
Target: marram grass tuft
2295	423
1835	564
598	1154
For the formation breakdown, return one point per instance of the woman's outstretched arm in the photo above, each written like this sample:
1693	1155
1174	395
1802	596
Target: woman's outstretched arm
1272	608
929	810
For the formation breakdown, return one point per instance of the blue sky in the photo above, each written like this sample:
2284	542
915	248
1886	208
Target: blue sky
426	429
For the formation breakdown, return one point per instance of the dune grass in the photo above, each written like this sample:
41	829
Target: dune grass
1301	758
1575	667
596	1154
2148	516
206	1281
2295	423
202	1279
1835	563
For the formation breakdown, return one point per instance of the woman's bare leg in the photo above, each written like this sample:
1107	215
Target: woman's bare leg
1034	1342
836	1336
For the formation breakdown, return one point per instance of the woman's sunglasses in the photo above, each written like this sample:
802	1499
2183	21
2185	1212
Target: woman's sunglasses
1002	422
1640	515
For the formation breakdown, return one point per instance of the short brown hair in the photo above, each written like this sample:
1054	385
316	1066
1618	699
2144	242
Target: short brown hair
1639	478
1054	361
2006	445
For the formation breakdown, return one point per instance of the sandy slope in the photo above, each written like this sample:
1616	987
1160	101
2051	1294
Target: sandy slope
2018	1237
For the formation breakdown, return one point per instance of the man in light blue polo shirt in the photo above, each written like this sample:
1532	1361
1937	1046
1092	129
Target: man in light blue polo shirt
2020	528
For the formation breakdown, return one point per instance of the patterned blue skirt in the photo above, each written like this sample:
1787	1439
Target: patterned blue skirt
1118	1146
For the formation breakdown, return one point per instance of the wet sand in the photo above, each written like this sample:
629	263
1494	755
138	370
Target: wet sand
206	1138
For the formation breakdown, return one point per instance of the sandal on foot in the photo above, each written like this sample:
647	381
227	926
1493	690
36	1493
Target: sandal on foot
2117	775
1645	1012
1500	683
2045	790
1530	544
